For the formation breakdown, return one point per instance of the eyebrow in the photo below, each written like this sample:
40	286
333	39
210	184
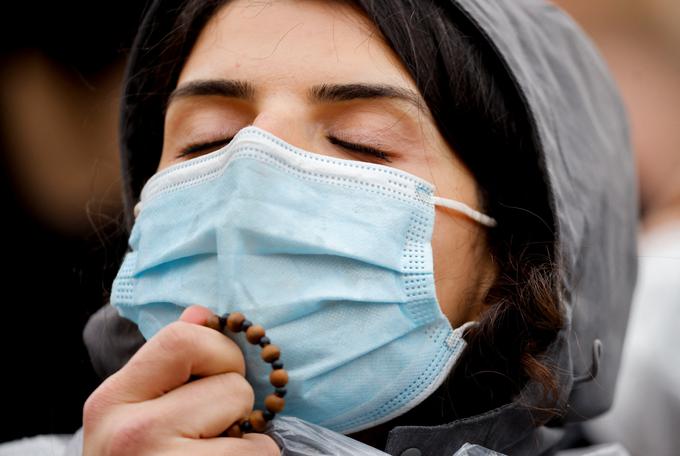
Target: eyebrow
323	93
221	87
348	92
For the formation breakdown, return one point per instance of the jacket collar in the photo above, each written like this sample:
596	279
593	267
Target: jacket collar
511	429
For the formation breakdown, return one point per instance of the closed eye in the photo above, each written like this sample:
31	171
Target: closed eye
211	146
363	149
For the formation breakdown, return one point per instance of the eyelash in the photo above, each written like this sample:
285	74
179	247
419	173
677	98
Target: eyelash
363	149
199	147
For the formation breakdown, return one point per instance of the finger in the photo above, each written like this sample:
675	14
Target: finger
249	445
196	314
170	358
205	407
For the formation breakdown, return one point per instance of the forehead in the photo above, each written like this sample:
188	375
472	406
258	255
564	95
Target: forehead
293	43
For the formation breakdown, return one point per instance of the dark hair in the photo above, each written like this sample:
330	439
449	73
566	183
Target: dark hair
479	111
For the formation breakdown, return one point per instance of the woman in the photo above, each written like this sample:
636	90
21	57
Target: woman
428	206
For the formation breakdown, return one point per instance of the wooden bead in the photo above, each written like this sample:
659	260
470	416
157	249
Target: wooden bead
254	334
274	403
257	420
213	322
270	353
279	378
234	431
235	321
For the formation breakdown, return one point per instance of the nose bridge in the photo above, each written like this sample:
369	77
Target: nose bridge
286	117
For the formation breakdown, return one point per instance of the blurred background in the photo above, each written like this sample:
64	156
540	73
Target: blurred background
60	78
61	69
640	40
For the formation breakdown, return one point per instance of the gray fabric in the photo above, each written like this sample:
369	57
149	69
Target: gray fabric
588	165
110	340
75	444
607	449
43	445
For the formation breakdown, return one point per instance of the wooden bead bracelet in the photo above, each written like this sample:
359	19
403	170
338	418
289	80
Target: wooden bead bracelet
236	322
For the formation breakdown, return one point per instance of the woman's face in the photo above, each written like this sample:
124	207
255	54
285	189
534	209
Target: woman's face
318	75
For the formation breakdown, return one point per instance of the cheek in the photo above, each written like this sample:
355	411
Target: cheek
457	256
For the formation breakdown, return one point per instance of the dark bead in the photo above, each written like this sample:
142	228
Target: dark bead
223	321
246	426
246	324
281	392
265	341
268	416
278	364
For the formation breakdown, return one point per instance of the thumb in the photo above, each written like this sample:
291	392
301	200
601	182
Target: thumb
196	314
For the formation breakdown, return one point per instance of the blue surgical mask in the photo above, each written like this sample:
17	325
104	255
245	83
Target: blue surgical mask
333	257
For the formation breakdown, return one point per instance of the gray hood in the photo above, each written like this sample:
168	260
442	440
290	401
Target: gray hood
589	167
587	163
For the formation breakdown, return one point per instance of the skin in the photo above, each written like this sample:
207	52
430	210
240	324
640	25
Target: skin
282	51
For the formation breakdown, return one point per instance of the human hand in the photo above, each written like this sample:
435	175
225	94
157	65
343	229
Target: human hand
151	406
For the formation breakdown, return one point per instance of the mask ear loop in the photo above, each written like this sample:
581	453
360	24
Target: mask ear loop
463	208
